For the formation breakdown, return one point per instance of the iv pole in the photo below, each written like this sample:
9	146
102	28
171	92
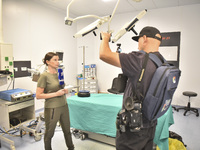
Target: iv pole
84	93
83	67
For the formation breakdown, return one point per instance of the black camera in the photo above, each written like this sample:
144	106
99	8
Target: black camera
135	120
122	120
130	117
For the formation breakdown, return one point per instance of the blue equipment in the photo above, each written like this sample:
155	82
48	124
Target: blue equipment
16	95
61	77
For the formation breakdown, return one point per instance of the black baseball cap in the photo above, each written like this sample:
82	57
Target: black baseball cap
149	32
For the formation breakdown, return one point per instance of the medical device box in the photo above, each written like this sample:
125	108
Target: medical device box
16	95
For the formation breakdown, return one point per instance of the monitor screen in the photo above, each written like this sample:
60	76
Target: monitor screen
60	55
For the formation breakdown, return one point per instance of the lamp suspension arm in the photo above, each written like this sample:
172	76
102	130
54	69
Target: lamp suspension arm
80	17
68	8
87	16
113	15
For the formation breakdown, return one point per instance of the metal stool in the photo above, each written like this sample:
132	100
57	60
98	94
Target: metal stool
188	108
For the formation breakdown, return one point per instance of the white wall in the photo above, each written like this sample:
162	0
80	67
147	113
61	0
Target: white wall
185	19
34	30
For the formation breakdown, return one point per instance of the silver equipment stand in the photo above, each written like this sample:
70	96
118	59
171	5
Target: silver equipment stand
6	140
10	109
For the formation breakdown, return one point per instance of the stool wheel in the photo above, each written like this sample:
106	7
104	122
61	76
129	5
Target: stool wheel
197	115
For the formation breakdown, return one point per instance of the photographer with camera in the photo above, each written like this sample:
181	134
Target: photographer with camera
134	131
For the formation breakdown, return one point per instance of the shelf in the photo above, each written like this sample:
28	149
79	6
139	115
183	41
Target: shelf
16	111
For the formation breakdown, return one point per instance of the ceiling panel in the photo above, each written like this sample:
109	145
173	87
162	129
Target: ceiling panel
96	7
101	8
188	2
124	6
166	3
144	4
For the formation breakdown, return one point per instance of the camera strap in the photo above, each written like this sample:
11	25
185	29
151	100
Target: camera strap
137	91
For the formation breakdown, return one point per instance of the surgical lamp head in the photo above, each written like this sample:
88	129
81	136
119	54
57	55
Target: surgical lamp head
68	21
129	26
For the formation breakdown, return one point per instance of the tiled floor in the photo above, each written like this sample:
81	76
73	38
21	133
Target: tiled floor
187	126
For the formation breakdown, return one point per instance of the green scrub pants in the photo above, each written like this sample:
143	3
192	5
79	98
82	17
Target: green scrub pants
52	116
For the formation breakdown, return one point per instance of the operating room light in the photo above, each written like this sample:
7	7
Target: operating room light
95	25
100	21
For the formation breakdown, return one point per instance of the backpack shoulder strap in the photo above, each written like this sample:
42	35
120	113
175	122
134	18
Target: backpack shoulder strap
158	60
155	59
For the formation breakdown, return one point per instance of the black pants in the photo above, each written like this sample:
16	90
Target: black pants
142	140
